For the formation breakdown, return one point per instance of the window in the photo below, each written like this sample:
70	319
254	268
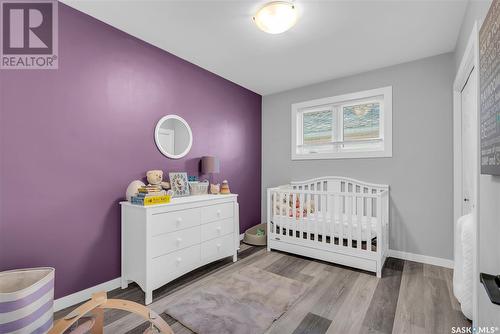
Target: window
357	125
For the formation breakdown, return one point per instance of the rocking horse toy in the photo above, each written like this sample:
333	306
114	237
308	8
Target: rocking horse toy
78	324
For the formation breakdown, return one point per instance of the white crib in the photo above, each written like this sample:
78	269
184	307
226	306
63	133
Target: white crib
334	219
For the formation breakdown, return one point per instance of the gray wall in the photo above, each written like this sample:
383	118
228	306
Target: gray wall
489	191
420	171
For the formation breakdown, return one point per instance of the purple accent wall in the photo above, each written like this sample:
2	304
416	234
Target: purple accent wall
72	139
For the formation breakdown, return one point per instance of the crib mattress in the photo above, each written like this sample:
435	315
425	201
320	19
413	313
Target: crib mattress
315	225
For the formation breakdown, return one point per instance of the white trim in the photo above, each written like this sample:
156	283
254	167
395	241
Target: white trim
435	261
470	60
83	295
321	104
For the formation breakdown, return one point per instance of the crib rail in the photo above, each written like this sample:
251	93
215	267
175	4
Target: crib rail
350	216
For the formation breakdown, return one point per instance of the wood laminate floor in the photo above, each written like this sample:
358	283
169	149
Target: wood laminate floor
409	298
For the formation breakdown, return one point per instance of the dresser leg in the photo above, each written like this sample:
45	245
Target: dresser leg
148	297
124	283
235	257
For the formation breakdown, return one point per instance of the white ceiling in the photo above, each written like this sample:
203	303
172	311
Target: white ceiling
331	39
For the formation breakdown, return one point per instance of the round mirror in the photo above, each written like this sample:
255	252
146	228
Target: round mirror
173	136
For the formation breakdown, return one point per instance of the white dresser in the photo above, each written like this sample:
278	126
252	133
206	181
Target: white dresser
163	242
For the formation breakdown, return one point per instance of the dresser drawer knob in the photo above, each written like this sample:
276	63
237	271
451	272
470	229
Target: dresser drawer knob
218	213
219	229
218	245
179	221
179	260
179	240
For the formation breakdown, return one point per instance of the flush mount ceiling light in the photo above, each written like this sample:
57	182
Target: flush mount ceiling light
276	17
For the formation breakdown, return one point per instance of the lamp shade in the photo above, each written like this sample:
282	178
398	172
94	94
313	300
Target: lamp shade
210	165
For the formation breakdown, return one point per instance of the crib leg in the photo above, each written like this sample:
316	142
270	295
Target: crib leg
379	270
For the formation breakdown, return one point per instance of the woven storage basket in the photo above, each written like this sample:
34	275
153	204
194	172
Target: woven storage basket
252	238
26	300
199	188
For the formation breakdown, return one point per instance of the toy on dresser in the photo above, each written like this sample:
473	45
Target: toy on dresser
153	193
155	177
224	189
215	188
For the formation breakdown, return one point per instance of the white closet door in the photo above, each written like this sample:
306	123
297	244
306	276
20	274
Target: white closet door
469	145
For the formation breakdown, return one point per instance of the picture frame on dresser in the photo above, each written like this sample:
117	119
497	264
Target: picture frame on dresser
163	242
179	184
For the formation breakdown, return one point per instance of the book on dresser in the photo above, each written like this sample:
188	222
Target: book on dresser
165	241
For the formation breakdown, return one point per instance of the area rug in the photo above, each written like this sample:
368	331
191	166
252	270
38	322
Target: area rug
245	302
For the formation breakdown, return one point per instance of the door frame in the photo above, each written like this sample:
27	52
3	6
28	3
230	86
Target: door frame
470	61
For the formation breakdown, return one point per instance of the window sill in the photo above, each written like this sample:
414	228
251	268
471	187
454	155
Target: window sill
342	155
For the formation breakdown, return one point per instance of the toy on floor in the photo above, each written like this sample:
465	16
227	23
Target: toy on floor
95	322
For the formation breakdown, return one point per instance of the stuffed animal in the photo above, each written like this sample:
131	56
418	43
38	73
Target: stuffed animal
133	188
288	208
215	188
155	177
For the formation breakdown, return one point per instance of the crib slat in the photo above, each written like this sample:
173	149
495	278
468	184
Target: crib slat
331	225
349	220
359	217
317	215
284	212
332	216
368	215
319	224
306	218
287	220
380	242
273	210
293	218
340	219
323	218
287	217
300	219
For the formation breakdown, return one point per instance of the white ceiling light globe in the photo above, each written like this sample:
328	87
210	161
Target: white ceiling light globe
276	17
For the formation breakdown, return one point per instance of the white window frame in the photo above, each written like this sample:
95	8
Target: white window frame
333	102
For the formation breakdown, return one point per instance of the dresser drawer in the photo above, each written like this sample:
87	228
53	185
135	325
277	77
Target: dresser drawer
218	248
170	266
173	221
216	229
169	242
217	212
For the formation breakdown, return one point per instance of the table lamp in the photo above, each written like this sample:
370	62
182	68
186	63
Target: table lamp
210	165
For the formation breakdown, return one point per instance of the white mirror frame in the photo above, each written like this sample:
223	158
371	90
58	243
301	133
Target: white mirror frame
157	138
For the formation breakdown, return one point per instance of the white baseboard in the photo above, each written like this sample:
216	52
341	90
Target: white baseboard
436	261
84	295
